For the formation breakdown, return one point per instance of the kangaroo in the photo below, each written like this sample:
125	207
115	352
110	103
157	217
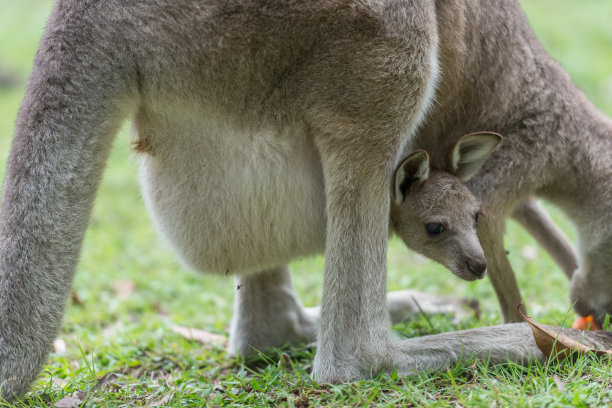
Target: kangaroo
557	145
272	130
446	200
435	214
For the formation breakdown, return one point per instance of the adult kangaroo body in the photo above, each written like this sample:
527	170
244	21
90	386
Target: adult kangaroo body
269	130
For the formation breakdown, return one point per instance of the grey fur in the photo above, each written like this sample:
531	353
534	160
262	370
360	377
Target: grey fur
271	130
557	145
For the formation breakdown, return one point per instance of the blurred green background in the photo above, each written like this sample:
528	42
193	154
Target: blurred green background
122	250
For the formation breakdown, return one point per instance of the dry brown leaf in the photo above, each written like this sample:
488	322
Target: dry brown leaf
81	396
529	252
59	382
123	289
59	346
474	305
68	402
161	310
163	401
201	336
560	343
559	383
107	379
74	298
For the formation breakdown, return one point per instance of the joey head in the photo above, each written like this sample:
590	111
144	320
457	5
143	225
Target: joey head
435	214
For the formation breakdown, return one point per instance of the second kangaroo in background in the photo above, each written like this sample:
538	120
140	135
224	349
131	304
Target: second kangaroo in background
437	215
557	145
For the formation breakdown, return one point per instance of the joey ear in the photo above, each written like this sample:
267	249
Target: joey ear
470	152
412	169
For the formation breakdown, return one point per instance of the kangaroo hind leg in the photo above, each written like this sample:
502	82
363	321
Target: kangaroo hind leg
76	98
267	313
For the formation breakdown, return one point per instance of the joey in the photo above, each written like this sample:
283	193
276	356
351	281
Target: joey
435	214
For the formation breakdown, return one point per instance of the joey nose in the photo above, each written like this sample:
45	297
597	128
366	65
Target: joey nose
477	266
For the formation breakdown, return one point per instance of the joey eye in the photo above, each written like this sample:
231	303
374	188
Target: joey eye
434	229
478	217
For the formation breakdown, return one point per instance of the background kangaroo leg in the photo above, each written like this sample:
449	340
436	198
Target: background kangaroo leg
267	313
62	140
499	271
538	223
407	304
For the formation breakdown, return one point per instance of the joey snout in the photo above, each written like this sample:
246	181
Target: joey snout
478	266
471	268
468	257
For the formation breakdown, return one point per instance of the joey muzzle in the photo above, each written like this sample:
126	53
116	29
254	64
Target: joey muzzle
477	266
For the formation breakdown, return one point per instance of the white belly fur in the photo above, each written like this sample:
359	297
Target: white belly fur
233	200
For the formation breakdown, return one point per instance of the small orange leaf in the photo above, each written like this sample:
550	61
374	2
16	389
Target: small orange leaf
586	323
555	342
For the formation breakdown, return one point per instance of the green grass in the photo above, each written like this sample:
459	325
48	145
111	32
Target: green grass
131	336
